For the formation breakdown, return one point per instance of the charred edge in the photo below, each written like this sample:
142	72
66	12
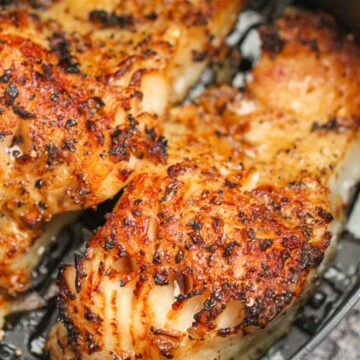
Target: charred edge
60	46
79	273
272	41
159	149
19	110
330	125
182	297
65	296
161	278
199	56
163	332
170	191
325	215
92	317
311	256
105	19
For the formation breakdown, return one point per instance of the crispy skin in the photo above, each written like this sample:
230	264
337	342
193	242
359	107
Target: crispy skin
78	82
203	253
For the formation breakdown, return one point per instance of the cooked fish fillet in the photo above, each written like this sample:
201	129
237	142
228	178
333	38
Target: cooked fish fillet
208	256
77	82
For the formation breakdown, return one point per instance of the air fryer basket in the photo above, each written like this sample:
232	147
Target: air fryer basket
26	331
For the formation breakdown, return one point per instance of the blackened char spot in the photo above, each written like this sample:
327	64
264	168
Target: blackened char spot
120	152
196	237
253	313
106	19
53	153
330	125
92	317
93	345
224	332
60	46
151	16
156	331
19	110
195	224
110	242
159	149
5	77
182	297
230	184
69	144
200	19
212	307
176	170
265	244
179	256
17	140
98	101
42	205
157	257
70	123
151	133
79	273
199	56
170	191
216	224
272	42
311	256
314	46
251	234
39	183
229	248
47	69
12	92
325	215
161	278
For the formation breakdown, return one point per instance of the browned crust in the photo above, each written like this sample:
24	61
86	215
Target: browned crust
218	238
72	105
268	236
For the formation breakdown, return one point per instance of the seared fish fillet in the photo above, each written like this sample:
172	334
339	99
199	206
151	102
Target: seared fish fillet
78	80
208	256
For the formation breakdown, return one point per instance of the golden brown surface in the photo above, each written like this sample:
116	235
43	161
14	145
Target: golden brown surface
204	252
308	69
78	80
